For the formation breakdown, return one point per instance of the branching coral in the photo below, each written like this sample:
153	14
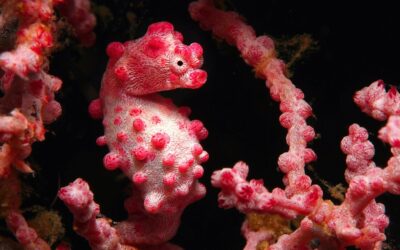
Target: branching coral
157	147
28	103
359	220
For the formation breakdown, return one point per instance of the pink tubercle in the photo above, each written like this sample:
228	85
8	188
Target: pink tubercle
169	179
197	149
169	160
199	130
138	125
203	157
135	112
117	120
95	109
101	141
196	49
152	203
118	109
185	111
197	79
122	136
184	167
198	171
115	50
155	119
159	140
160	27
139	178
111	161
121	73
140	153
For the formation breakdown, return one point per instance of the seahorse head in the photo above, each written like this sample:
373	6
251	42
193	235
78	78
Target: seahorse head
156	62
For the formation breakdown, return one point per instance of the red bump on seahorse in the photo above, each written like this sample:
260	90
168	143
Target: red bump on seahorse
150	139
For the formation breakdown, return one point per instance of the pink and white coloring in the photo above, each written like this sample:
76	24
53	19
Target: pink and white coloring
150	140
29	30
359	220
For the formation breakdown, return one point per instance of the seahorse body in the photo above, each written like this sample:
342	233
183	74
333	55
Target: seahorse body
150	139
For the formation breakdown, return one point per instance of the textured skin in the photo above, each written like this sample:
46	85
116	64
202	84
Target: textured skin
27	101
359	220
376	102
150	139
79	199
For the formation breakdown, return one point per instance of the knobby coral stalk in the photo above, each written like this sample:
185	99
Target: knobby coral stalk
28	103
25	235
359	220
98	232
299	197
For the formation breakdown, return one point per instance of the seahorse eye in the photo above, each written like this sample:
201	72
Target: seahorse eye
179	65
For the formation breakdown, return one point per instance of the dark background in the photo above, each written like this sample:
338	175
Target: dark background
356	46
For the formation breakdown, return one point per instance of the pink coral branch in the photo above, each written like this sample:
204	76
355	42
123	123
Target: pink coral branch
79	199
34	36
259	52
303	237
376	102
28	102
78	14
28	89
359	220
98	231
391	132
25	235
13	124
366	181
359	151
254	197
253	238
